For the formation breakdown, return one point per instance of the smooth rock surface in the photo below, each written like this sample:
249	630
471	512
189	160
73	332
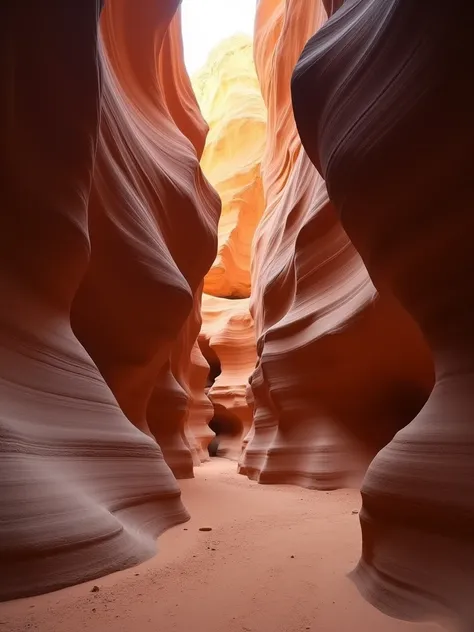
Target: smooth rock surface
340	369
383	97
229	95
94	201
227	339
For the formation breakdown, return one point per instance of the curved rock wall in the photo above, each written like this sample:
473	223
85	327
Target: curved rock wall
179	409
383	97
92	228
228	93
228	338
340	368
139	202
201	410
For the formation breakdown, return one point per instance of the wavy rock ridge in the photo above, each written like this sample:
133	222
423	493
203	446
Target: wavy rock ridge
340	368
383	97
92	234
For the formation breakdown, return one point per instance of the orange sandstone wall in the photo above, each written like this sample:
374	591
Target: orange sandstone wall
227	337
179	407
100	180
340	368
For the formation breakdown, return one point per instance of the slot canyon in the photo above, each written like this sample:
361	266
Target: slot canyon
236	348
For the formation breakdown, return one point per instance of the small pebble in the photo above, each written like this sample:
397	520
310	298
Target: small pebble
137	574
205	528
354	511
292	557
213	549
95	589
93	609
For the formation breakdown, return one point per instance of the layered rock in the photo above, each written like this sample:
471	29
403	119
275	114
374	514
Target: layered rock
200	410
340	368
179	408
177	89
227	340
383	97
99	183
229	95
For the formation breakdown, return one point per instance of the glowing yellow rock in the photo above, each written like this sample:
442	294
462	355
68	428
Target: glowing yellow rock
229	95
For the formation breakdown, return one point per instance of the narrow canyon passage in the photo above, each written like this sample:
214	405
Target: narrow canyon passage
236	342
239	577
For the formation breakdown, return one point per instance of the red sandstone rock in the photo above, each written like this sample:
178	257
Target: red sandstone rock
138	221
144	192
340	368
179	409
200	410
383	98
227	339
83	491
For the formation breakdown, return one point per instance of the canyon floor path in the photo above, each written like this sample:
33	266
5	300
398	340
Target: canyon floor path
275	560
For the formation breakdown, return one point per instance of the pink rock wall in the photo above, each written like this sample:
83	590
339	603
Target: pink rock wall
383	98
99	182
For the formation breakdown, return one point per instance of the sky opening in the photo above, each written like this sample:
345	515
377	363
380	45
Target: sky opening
208	22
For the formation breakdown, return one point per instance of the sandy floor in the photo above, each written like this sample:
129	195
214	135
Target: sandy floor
241	576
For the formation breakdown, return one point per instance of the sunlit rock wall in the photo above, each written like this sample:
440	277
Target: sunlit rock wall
229	95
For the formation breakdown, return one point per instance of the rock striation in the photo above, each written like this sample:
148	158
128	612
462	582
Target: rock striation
229	95
340	368
99	181
383	97
227	340
228	92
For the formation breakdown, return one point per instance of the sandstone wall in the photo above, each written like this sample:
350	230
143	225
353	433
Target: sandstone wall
340	368
383	97
229	95
99	182
227	338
